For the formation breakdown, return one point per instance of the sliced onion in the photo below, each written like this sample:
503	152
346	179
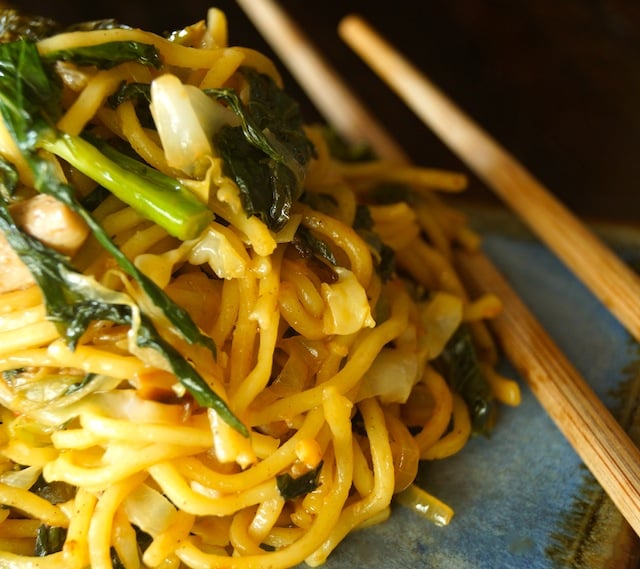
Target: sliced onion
391	377
148	509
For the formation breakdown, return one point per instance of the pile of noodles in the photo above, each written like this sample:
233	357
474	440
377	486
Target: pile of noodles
331	361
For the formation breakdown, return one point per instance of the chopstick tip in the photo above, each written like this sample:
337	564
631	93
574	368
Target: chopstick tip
348	22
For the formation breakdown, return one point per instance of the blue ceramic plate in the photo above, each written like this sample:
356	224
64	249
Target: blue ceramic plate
522	498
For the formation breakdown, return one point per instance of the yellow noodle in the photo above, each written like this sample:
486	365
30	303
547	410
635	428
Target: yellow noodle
337	410
265	518
239	536
171	53
430	267
20	299
124	430
143	240
504	389
17	528
76	546
362	475
261	471
381	171
124	539
380	496
306	289
346	239
102	520
99	87
454	440
225	66
17	319
26	454
165	543
33	505
295	312
440	416
256	380
66	468
31	335
487	306
132	130
52	561
93	360
180	493
349	375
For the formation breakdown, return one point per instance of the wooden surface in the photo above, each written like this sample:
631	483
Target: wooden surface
557	83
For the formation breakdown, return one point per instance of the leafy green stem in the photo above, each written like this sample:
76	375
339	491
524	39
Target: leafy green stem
158	198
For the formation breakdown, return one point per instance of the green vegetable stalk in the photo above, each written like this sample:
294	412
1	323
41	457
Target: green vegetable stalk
158	198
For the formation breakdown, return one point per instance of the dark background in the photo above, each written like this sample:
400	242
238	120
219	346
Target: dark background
557	82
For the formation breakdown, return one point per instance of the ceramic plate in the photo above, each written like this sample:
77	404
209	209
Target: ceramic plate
522	498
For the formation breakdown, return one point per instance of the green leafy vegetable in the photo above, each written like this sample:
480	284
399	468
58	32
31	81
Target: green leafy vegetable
305	241
266	155
140	96
55	492
345	151
291	488
459	365
49	539
29	104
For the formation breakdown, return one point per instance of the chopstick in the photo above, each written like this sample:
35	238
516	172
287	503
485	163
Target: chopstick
598	439
600	269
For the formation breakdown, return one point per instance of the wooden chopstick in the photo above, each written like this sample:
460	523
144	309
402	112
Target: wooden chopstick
589	427
599	440
599	268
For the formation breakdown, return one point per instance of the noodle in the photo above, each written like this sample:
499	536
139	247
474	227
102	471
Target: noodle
245	392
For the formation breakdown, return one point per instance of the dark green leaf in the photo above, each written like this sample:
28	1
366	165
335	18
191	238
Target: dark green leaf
309	242
390	193
55	492
140	95
130	92
459	365
345	151
49	540
291	488
267	153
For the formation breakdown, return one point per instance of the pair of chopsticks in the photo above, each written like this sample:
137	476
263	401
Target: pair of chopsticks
596	436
